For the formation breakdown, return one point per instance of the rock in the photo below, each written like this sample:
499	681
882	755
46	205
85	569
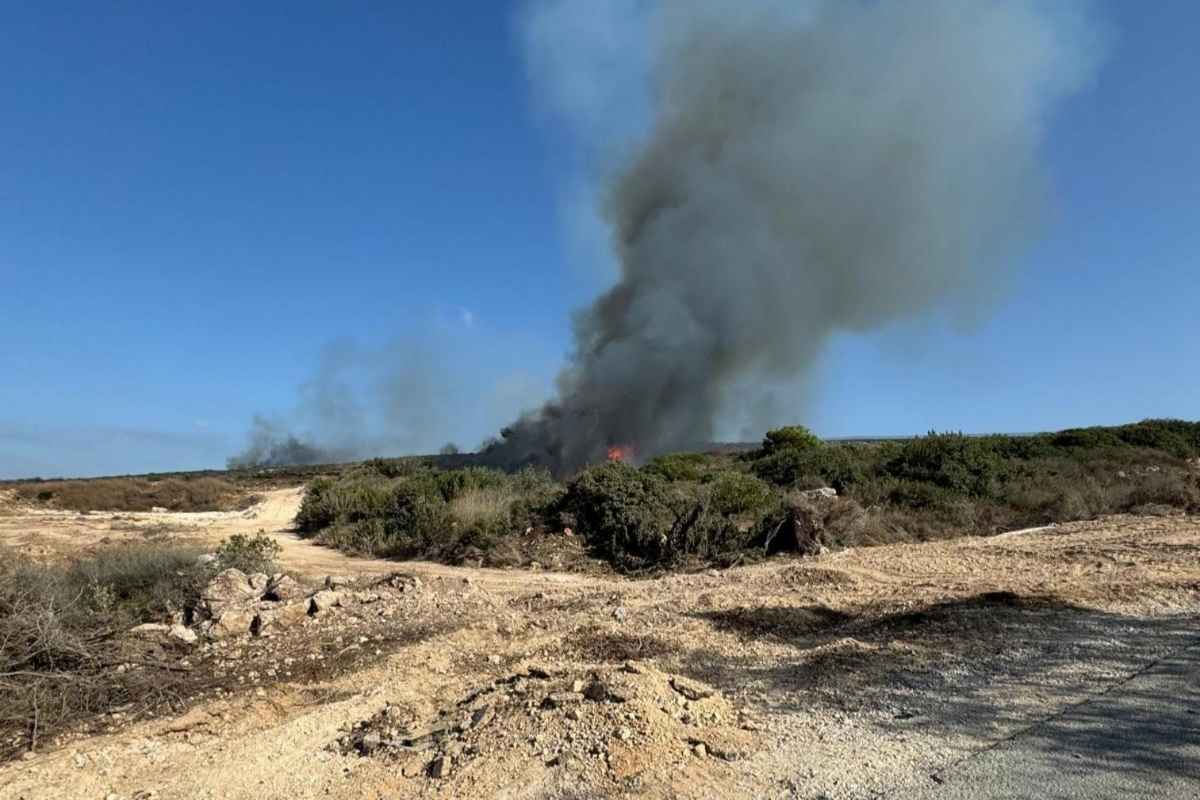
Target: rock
619	613
229	588
568	532
259	582
183	634
283	588
824	493
338	581
440	767
494	659
192	719
281	616
324	600
234	622
157	510
150	629
700	750
206	558
578	686
624	733
562	699
596	691
692	690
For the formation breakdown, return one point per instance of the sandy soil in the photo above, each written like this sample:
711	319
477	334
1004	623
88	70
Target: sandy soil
855	674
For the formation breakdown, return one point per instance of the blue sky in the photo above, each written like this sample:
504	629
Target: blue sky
196	203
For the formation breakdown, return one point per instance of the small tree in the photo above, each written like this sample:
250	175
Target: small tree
791	437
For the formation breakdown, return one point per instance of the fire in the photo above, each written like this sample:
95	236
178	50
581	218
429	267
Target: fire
621	452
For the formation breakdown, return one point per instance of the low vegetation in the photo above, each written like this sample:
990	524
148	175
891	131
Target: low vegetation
204	493
64	648
691	509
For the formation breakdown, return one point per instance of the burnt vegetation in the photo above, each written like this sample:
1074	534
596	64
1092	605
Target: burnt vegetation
66	655
689	510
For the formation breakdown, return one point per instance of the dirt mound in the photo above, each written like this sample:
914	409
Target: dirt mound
626	727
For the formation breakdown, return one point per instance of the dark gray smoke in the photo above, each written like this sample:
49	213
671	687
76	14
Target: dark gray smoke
810	168
271	445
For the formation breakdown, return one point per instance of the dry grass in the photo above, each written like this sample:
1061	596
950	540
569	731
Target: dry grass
137	494
482	507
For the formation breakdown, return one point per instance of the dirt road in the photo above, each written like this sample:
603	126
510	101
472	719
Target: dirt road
854	675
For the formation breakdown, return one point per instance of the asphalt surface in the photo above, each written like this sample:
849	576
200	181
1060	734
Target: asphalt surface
1139	740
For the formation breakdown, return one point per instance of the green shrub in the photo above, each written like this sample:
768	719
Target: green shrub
625	515
736	494
791	437
250	555
680	466
839	466
637	520
951	461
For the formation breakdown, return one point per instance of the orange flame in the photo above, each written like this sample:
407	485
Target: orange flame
621	452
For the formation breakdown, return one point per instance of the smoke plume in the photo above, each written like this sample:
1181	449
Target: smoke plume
414	394
808	169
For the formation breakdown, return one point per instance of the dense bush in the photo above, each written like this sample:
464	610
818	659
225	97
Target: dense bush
951	461
681	466
635	519
735	494
709	507
839	466
792	437
440	514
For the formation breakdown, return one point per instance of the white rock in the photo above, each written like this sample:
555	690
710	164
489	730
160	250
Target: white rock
183	634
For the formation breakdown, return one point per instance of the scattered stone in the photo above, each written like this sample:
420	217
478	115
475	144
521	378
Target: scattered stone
338	581
624	733
283	588
183	634
150	629
192	719
700	750
233	622
324	600
494	659
259	582
692	690
284	615
596	691
229	588
562	699
440	767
